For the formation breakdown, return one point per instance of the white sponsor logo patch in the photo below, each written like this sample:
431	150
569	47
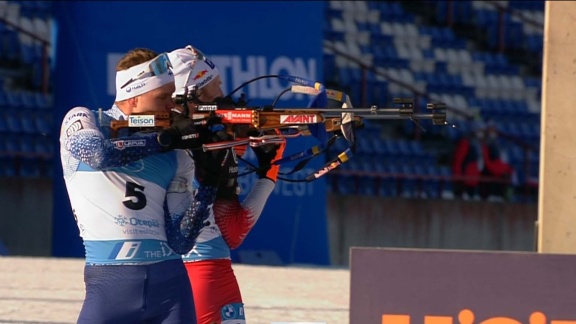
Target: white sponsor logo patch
128	250
120	145
141	121
207	107
76	126
298	119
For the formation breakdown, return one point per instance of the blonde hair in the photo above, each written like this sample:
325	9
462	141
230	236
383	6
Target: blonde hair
135	57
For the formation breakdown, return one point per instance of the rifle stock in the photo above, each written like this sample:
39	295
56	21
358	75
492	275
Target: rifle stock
244	120
240	121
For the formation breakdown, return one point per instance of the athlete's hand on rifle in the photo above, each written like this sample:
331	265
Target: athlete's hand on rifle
215	168
266	155
228	185
182	134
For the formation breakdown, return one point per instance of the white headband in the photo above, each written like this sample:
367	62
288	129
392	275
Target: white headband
191	67
140	79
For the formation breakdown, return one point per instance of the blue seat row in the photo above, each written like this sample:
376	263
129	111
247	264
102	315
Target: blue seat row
527	5
369	145
27	167
391	11
24	100
395	180
461	11
31	9
26	122
489	20
35	146
525	132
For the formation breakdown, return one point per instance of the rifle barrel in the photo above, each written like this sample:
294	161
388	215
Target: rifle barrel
412	116
344	110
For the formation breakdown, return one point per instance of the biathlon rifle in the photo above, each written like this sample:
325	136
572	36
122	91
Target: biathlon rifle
242	122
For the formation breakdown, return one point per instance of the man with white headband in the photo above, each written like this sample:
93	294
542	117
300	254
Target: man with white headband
216	292
132	198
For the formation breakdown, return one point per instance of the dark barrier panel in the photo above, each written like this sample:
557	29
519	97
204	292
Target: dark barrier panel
428	223
26	223
404	286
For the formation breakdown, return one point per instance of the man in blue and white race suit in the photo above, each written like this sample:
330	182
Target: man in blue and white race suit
130	191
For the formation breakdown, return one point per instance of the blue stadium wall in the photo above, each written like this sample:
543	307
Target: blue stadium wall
246	39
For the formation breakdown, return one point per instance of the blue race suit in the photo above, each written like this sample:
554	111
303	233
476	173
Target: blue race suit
136	213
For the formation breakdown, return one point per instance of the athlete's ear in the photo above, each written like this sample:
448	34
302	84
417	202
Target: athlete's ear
132	104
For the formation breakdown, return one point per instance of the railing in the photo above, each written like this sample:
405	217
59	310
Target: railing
364	85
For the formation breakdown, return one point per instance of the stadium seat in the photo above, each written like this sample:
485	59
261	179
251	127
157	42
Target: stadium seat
13	121
431	184
346	184
27	122
44	123
14	99
28	100
8	166
30	168
388	182
11	145
364	146
43	147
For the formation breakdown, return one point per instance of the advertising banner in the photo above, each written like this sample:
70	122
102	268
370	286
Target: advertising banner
403	286
246	40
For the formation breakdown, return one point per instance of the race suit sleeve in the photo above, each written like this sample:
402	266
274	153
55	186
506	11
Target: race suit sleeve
87	141
186	210
235	220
